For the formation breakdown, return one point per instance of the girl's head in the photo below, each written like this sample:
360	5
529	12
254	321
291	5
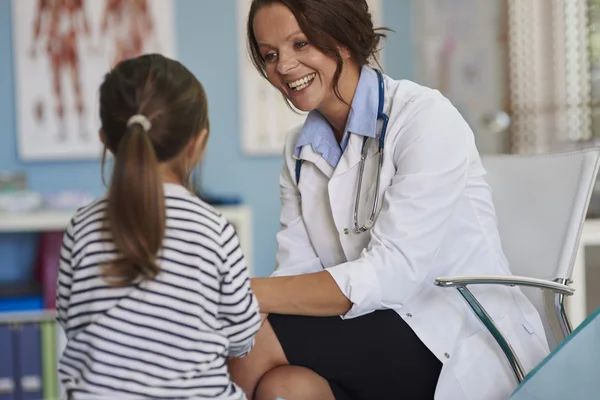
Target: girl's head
154	118
306	48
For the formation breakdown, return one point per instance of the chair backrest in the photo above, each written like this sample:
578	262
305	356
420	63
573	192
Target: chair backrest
541	202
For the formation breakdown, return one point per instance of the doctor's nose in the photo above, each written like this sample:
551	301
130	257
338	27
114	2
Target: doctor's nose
286	64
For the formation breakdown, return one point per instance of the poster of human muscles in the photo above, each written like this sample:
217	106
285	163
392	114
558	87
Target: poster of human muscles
62	50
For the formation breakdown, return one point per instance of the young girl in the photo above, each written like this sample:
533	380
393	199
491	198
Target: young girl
153	290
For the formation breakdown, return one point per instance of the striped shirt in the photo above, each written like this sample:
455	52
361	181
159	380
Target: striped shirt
166	338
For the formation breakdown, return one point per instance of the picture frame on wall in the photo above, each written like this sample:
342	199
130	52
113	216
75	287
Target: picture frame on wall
62	50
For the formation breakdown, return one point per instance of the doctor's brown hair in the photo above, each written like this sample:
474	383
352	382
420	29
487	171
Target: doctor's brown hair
174	102
327	24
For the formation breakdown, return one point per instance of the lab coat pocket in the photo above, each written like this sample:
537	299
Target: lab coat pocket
527	344
481	367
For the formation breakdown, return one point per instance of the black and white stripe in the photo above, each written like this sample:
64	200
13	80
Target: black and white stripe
166	338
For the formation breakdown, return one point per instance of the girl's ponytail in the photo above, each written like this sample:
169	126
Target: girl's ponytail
136	209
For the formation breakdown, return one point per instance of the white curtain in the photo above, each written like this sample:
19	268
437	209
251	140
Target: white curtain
549	74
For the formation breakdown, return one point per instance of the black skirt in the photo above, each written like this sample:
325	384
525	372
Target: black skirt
372	357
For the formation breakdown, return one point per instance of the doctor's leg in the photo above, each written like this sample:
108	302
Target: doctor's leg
293	383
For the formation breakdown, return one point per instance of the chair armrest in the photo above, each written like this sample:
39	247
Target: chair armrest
511	280
461	283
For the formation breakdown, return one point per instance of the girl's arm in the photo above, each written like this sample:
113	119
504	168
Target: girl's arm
238	309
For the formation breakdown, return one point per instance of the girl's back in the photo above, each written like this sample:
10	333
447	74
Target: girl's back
165	338
153	293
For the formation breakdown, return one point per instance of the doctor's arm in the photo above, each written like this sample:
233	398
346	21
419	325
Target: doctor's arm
431	162
299	284
431	158
314	294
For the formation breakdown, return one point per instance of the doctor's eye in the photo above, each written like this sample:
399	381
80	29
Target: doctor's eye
270	57
299	45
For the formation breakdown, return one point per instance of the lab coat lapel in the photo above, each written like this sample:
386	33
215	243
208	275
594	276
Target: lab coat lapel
342	190
351	155
316	210
307	154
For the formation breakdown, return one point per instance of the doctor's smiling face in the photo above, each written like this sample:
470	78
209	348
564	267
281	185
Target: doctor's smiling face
312	50
301	72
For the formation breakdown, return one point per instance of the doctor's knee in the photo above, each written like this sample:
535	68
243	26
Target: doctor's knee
292	383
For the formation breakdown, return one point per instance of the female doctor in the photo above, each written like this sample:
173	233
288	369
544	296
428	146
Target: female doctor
382	191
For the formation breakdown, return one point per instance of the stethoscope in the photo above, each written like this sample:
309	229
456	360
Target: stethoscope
363	156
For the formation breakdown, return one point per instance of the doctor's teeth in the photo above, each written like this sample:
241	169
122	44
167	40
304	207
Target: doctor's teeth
301	83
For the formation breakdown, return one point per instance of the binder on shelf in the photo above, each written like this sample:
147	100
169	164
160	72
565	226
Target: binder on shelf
7	363
49	361
29	362
60	344
20	296
13	304
47	265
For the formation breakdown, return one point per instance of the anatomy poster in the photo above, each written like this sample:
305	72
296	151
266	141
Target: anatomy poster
62	50
265	117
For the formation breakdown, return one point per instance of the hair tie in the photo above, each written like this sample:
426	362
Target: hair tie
140	119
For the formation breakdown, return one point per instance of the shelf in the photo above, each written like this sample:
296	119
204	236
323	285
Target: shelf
40	221
19	317
37	221
577	304
34	221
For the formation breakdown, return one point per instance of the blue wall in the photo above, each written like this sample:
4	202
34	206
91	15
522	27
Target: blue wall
207	45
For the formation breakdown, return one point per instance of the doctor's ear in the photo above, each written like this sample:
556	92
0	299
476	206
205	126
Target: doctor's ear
344	52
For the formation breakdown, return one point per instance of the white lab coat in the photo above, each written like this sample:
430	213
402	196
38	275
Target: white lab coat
435	218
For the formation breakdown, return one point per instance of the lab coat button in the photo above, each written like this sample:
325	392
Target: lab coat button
446	355
346	231
409	315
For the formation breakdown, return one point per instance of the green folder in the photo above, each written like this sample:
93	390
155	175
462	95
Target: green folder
49	361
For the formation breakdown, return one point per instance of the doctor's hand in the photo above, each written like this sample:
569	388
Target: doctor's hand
315	294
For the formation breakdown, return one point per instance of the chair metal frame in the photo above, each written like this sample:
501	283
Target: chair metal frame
558	289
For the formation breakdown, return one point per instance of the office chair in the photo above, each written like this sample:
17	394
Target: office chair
541	203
